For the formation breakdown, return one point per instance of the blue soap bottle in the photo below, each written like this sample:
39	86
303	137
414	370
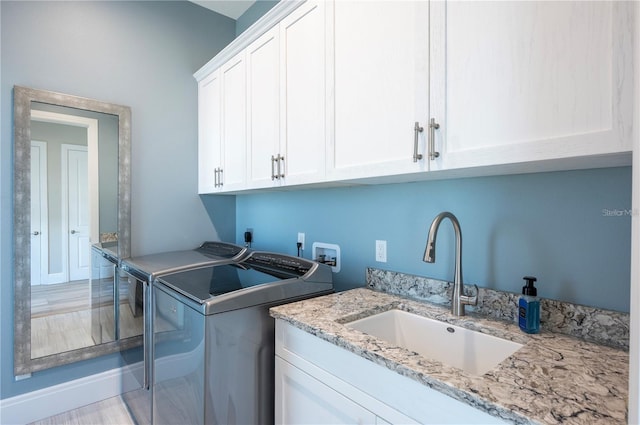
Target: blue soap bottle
529	307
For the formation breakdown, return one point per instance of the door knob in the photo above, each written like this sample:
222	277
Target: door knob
36	233
73	232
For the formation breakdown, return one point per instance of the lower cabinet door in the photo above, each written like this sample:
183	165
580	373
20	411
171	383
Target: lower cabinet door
302	399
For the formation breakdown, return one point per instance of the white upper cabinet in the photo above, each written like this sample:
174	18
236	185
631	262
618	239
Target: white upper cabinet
320	92
287	101
222	128
234	123
303	94
263	109
515	82
381	76
209	132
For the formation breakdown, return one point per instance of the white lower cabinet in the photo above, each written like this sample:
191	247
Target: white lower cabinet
305	400
317	382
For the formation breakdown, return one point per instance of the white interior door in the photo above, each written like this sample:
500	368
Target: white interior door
76	170
39	257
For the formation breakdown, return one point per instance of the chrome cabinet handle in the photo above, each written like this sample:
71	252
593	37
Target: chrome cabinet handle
280	162
273	172
36	233
220	177
279	174
433	126
416	129
217	177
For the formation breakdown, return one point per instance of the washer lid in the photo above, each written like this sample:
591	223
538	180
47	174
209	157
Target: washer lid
205	283
149	266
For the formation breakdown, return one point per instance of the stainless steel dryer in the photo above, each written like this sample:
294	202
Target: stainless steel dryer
136	276
214	340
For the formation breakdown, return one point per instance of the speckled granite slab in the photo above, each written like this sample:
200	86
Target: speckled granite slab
552	379
589	323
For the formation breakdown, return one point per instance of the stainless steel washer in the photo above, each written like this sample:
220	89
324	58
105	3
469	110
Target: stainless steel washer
214	338
136	277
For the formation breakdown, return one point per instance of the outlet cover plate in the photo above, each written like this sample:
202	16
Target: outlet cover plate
381	251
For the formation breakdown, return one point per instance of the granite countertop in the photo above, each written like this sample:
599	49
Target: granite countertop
552	379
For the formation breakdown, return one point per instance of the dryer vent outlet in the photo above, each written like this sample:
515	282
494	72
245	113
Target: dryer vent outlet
326	253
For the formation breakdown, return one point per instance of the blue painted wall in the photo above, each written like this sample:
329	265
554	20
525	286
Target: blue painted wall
259	8
570	229
137	53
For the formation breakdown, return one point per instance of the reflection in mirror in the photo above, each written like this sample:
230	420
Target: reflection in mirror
72	183
74	180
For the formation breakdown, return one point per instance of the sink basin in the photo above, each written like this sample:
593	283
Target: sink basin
473	352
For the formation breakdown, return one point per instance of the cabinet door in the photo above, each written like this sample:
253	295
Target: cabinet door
263	108
303	96
209	131
301	399
528	81
234	122
381	87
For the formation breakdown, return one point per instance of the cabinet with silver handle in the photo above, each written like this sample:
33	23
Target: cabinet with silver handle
221	128
516	84
286	92
417	91
381	90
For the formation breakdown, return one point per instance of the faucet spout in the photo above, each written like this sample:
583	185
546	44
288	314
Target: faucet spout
458	298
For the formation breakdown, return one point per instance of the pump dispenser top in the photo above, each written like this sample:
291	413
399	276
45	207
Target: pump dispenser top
529	289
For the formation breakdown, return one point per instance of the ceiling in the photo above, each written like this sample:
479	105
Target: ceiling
231	8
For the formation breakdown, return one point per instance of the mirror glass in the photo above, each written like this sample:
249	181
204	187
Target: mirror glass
74	203
72	184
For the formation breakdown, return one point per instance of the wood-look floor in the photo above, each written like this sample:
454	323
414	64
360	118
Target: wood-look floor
58	333
60	298
111	411
61	318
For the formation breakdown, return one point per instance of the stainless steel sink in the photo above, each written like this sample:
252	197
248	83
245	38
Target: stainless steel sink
473	352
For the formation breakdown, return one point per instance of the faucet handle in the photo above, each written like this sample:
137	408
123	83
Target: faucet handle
470	300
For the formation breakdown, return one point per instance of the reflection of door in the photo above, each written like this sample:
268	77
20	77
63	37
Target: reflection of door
39	230
75	181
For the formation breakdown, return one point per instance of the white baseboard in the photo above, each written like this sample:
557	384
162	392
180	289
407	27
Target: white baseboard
36	405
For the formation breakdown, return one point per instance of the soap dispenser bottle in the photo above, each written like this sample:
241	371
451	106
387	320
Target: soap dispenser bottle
529	307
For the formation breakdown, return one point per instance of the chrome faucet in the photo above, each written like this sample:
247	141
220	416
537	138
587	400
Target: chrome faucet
458	297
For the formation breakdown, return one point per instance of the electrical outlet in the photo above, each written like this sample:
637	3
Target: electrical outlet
301	240
381	251
248	237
